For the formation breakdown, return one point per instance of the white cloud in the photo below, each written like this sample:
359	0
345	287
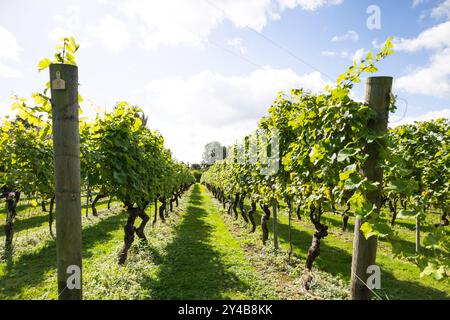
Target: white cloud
209	106
308	4
9	72
237	43
416	3
68	23
190	22
350	35
433	115
432	79
4	109
9	48
436	37
59	32
358	55
113	33
328	53
442	10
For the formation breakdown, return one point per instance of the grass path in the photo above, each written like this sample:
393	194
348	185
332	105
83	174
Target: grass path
190	256
199	252
205	261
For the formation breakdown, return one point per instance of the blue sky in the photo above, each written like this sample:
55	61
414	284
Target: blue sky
207	70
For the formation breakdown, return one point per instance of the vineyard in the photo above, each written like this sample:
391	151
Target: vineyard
322	201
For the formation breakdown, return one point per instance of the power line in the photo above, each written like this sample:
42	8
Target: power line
235	54
272	42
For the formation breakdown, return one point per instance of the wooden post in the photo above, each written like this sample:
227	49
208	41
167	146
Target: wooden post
66	146
275	226
378	91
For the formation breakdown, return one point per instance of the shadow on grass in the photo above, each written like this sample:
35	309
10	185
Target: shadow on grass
337	261
192	269
37	219
26	224
30	270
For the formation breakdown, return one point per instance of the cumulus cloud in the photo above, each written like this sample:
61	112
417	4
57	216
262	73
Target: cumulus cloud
357	55
9	50
308	4
68	23
432	115
436	37
113	33
209	106
350	35
417	3
328	53
4	109
190	22
9	72
442	10
433	78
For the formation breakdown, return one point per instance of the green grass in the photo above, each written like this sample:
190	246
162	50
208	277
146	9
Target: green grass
400	278
200	253
190	256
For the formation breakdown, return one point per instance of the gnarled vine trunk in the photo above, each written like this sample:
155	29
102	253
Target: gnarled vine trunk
444	221
145	218
162	208
130	229
242	208
129	232
298	212
345	218
251	217
94	203
50	217
265	217
393	208
314	249
12	198
155	218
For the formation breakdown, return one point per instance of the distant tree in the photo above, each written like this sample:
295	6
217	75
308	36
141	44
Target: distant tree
196	166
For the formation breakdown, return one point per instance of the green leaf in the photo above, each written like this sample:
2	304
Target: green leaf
346	153
367	230
44	64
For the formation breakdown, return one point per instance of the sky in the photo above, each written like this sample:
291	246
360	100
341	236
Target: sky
207	70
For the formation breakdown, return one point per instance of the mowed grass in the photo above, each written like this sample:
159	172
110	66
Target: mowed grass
400	278
196	254
190	256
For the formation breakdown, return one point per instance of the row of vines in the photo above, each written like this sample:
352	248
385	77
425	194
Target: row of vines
322	150
121	158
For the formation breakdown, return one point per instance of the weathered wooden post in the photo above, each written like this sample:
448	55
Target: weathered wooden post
66	146
378	91
275	226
